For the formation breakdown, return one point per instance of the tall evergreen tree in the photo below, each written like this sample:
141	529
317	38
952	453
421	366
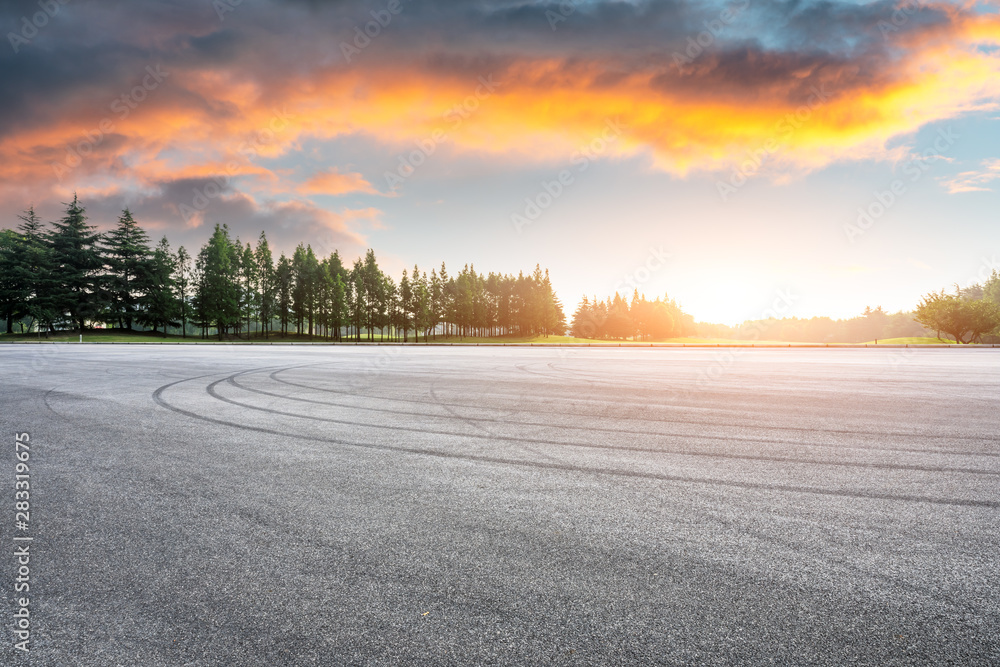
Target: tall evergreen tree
128	254
338	305
313	281
13	296
406	302
356	302
266	281
183	280
420	304
217	295
300	287
32	270
249	286
76	263
159	303
283	289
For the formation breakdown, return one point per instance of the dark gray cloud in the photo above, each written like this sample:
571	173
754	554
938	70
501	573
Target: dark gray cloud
91	50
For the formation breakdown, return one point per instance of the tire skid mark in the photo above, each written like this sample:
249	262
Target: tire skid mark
569	427
564	467
695	422
472	422
211	390
561	443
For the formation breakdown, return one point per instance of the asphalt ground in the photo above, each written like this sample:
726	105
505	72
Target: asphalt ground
292	505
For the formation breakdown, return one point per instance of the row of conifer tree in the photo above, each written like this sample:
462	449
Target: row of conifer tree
617	319
67	274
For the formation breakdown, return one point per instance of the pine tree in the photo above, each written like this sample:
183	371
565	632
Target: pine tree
339	296
356	303
32	268
420	303
128	254
76	263
159	303
217	295
283	283
339	305
249	286
435	296
266	281
311	275
300	289
406	297
183	282
12	293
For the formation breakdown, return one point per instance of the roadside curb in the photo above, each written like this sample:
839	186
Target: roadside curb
638	346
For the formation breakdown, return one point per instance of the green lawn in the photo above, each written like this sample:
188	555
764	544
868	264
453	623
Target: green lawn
95	336
570	340
912	340
120	336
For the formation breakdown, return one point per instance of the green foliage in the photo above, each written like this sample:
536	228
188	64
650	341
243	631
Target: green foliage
873	324
642	320
75	264
128	257
183	281
160	306
217	299
70	273
267	283
991	288
964	319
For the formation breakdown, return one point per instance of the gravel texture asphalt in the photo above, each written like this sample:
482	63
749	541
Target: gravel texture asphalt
293	505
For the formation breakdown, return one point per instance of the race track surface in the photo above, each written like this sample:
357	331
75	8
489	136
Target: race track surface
300	505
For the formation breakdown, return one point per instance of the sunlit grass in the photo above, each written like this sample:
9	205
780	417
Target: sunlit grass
94	336
120	336
912	340
570	340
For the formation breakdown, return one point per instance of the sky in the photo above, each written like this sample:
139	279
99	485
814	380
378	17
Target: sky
745	158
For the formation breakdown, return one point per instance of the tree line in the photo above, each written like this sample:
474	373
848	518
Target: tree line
617	319
67	274
872	324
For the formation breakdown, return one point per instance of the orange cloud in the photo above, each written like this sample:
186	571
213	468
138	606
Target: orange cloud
721	112
334	183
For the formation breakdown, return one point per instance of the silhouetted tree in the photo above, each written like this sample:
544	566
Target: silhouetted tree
75	263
